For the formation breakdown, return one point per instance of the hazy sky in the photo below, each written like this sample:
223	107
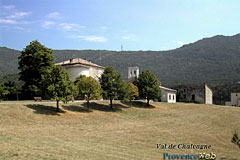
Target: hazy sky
108	24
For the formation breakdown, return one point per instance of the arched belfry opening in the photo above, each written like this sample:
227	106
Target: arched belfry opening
133	72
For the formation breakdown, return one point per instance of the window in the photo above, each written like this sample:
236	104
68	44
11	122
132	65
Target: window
193	97
135	72
236	94
169	97
173	97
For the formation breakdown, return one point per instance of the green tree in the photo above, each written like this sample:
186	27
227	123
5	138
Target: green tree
149	86
12	88
133	92
180	95
235	138
58	84
89	87
78	79
34	62
3	92
113	87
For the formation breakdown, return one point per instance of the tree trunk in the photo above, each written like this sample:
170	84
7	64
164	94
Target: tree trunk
148	102
57	105
111	103
130	103
87	102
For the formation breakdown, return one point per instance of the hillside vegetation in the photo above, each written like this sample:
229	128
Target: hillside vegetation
8	61
209	60
36	131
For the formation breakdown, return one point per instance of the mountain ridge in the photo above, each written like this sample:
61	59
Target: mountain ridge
208	60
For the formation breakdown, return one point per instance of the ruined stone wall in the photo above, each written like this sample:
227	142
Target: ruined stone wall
191	93
195	95
198	93
208	95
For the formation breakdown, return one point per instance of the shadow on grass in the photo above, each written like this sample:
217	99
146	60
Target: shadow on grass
94	106
75	108
138	104
42	109
105	107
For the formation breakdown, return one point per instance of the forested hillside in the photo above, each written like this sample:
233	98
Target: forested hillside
209	60
8	61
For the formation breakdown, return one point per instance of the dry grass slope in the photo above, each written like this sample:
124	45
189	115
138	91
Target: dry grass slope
38	132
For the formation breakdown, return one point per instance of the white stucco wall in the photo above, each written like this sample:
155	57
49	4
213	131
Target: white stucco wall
100	72
95	72
235	100
168	96
164	96
208	95
133	72
76	71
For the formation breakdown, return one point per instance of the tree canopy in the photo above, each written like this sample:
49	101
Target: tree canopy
78	78
133	91
88	88
3	92
58	84
113	86
149	86
34	62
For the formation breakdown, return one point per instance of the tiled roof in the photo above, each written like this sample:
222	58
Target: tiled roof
168	89
78	61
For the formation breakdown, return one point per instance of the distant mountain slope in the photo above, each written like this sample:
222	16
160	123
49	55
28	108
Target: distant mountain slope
8	61
209	60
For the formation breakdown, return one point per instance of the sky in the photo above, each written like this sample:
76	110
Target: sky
108	24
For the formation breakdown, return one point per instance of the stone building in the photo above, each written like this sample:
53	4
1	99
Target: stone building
197	93
133	72
235	100
78	66
168	95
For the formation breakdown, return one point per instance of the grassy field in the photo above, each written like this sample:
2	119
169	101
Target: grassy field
35	131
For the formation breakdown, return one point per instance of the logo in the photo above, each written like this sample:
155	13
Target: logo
200	156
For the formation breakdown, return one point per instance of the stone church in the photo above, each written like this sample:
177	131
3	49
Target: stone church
78	66
196	93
